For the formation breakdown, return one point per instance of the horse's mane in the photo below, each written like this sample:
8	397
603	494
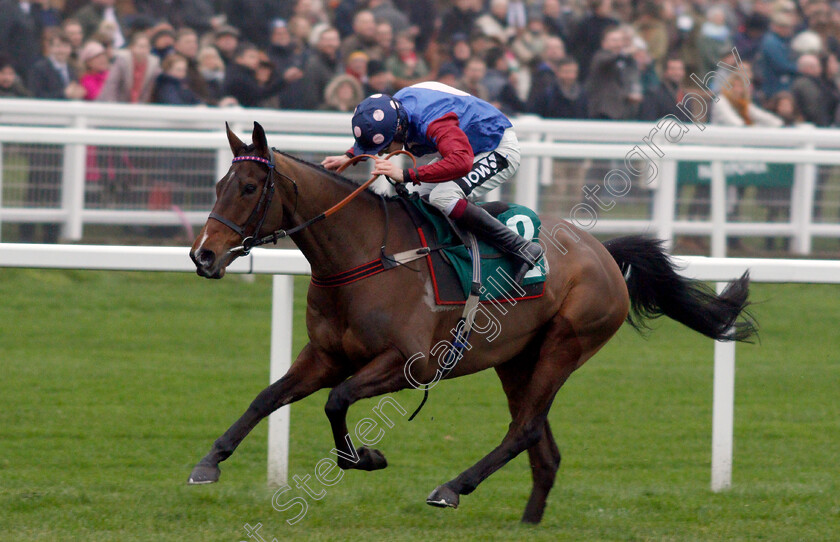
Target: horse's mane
333	175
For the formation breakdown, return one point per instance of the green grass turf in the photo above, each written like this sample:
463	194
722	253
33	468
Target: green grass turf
112	385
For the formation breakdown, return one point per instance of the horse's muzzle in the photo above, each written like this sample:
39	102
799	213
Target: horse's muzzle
206	264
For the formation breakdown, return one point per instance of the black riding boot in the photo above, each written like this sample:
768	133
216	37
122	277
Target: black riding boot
481	223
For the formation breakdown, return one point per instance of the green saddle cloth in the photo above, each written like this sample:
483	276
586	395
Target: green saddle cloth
496	269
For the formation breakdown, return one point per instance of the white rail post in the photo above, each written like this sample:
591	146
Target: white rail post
723	412
1	191
282	316
802	204
527	178
73	185
718	197
665	201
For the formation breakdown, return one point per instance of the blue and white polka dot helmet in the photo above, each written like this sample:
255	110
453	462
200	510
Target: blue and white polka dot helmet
375	124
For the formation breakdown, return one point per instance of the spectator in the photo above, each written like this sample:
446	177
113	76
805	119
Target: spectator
242	83
814	97
500	82
133	73
53	77
343	16
93	14
343	93
448	75
186	45
195	14
321	66
384	10
562	97
663	99
301	30
356	65
20	33
589	33
459	20
172	85
253	19
471	81
94	58
749	40
776	65
783	105
461	52
384	41
494	23
647	71
556	19
545	76
651	27
422	16
226	42
406	65
73	30
289	59
363	37
714	40
613	88
311	10
212	69
379	79
528	46
163	41
736	108
10	85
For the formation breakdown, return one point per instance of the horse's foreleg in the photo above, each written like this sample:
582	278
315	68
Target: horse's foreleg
311	371
544	456
382	375
559	356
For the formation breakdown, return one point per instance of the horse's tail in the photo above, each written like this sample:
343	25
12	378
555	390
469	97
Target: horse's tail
656	289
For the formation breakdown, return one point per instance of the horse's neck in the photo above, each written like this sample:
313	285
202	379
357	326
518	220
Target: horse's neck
346	239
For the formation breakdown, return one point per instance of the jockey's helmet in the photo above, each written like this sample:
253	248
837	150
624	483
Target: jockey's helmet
375	124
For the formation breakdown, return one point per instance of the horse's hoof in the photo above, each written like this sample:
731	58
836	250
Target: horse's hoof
371	459
368	460
443	497
204	474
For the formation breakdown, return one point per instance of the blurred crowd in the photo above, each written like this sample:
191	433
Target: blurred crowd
604	59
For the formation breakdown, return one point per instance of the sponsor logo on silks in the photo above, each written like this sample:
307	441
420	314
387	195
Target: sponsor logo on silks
485	168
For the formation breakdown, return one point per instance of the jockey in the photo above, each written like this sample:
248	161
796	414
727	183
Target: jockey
478	148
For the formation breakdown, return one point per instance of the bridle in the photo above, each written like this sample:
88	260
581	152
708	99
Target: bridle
251	241
264	203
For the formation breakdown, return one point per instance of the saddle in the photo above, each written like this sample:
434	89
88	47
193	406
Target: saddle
450	263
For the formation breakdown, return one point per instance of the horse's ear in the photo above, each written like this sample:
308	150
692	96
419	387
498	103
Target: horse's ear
259	140
236	144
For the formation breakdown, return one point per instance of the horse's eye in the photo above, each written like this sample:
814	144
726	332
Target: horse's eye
249	189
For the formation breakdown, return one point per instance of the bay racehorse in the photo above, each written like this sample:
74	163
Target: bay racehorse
362	334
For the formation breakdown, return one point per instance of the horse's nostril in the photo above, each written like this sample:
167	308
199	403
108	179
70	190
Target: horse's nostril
206	257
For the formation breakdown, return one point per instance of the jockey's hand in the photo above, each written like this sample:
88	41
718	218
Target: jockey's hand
389	169
332	163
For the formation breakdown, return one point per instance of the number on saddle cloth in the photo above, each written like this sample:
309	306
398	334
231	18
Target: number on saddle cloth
496	269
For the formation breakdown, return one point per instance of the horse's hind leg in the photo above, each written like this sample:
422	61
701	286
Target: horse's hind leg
311	371
544	456
560	354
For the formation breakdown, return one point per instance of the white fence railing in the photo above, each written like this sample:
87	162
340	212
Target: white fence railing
284	263
75	126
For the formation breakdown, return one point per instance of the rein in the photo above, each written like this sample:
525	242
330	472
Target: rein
249	242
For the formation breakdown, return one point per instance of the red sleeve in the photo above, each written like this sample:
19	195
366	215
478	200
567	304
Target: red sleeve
454	148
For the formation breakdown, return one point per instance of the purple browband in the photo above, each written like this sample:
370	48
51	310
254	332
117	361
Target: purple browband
253	159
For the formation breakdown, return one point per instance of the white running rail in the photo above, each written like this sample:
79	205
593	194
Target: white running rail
285	263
